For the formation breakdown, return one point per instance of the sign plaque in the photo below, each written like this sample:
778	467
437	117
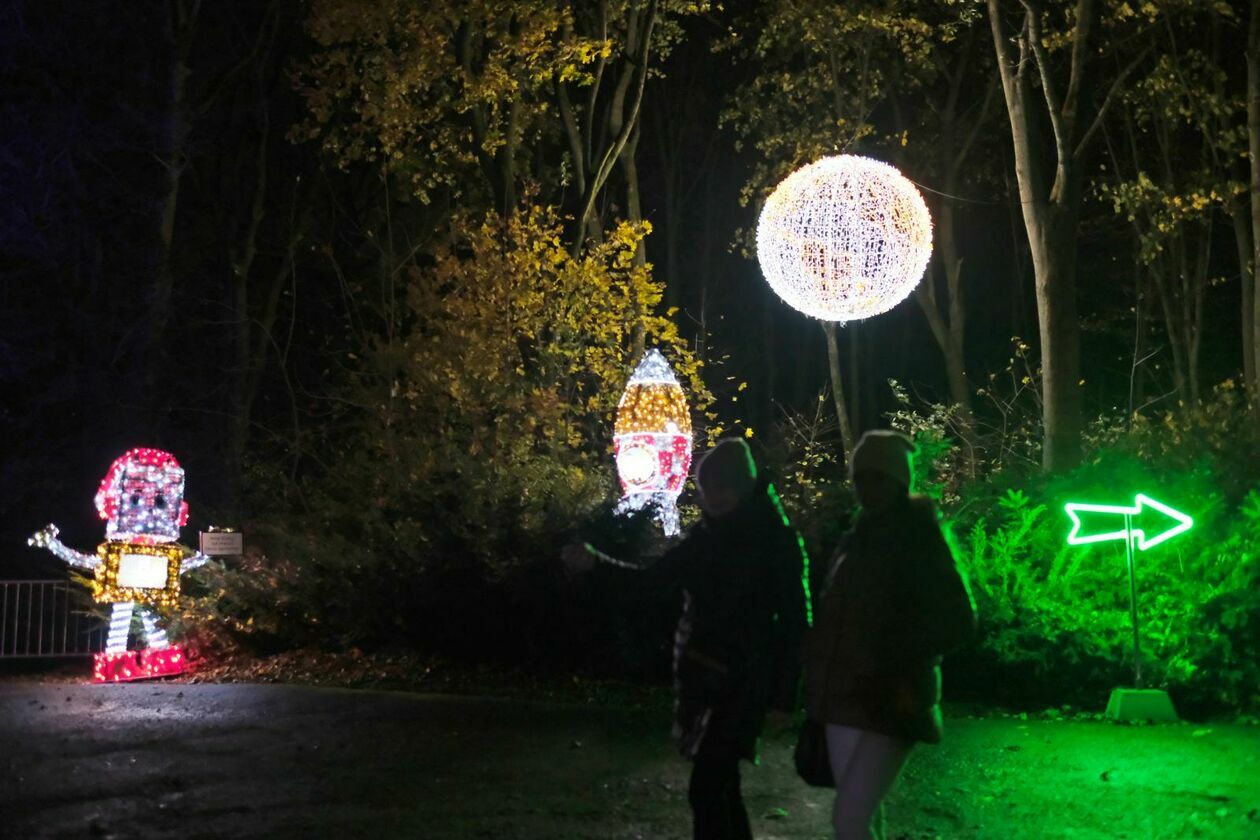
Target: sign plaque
222	543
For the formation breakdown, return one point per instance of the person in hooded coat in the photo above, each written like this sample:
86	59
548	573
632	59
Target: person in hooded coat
894	603
745	580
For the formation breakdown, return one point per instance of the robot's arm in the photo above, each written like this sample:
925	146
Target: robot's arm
193	561
46	537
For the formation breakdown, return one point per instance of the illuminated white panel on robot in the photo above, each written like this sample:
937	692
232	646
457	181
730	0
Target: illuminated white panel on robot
844	238
145	571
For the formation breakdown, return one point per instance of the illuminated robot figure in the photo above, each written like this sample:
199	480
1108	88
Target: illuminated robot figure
652	440
142	502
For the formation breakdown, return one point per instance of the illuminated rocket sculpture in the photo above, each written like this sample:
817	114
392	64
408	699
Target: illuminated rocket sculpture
652	440
141	499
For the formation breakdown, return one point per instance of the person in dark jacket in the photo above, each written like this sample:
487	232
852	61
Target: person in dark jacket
744	575
894	603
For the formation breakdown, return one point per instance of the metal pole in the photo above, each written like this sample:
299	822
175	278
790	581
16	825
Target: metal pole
1137	649
43	596
30	601
65	618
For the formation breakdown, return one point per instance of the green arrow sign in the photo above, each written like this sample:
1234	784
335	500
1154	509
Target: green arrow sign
1179	522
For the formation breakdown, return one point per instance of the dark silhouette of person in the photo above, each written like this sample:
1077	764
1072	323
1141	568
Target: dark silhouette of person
744	575
894	603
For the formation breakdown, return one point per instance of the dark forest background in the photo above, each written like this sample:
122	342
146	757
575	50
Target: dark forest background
375	272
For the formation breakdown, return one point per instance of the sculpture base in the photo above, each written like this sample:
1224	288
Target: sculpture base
1145	704
128	665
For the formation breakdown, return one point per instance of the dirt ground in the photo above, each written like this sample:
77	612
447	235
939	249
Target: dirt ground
205	760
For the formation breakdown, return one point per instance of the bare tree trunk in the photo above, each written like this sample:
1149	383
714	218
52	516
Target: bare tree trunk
1253	145
948	335
1137	390
242	396
1194	308
707	247
837	390
1172	328
634	213
634	207
506	158
180	23
1049	171
956	141
955	361
676	130
623	113
667	154
804	378
1019	288
763	407
1242	239
855	377
254	338
1054	266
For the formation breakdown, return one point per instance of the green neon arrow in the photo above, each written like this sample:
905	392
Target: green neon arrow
1182	522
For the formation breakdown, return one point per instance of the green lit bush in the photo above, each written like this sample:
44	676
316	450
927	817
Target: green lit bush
1054	618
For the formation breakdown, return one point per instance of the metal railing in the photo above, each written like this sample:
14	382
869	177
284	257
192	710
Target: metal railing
47	618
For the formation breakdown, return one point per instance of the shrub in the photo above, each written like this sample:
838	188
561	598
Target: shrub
1055	625
473	435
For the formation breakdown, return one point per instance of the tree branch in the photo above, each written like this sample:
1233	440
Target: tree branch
1003	51
1107	102
974	133
1053	106
600	64
476	115
1081	45
614	150
925	296
574	134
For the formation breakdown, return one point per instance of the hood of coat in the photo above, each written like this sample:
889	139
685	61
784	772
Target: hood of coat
913	507
757	503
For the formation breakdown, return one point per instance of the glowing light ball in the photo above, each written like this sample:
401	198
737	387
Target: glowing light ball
844	238
652	440
138	566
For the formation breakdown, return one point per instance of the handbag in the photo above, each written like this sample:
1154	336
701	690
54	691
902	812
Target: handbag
813	764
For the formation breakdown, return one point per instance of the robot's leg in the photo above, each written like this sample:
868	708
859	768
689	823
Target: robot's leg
154	634
117	663
119	626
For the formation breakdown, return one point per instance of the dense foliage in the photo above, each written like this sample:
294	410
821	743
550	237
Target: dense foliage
1055	625
477	437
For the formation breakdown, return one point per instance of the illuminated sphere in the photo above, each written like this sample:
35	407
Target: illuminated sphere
844	238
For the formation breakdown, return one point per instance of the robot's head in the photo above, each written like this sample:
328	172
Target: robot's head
142	497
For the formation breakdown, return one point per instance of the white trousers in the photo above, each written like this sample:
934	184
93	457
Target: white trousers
864	765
